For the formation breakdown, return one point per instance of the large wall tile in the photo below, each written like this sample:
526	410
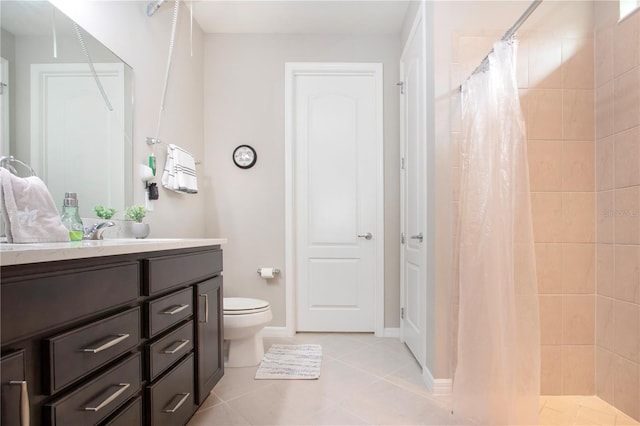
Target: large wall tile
604	56
551	370
627	165
604	374
626	103
545	63
578	166
546	208
545	114
627	215
626	389
549	267
545	165
605	164
605	217
604	322
578	114
578	375
627	273
605	274
550	320
578	217
577	64
627	331
626	49
604	110
578	319
578	268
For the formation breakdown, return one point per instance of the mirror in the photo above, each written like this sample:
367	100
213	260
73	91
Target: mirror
73	126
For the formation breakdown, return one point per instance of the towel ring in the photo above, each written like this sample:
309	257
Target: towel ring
6	162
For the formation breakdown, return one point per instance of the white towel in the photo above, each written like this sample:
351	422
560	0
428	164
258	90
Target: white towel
180	171
29	213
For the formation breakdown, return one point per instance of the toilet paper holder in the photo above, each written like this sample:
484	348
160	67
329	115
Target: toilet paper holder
275	271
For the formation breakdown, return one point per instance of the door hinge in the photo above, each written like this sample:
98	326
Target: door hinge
402	238
402	163
401	313
401	84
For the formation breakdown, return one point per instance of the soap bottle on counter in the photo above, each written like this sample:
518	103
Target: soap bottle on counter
70	216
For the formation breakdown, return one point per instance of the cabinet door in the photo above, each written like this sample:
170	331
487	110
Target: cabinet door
15	399
209	328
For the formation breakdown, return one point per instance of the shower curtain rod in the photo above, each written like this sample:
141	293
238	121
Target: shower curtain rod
510	32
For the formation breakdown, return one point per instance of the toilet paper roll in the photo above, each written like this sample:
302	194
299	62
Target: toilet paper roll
145	173
266	272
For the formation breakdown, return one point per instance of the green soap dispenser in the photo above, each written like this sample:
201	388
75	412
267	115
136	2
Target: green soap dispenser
70	216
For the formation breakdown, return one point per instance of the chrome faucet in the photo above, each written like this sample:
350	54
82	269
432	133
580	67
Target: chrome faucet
95	232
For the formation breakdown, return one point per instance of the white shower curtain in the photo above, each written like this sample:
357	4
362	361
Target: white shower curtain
497	375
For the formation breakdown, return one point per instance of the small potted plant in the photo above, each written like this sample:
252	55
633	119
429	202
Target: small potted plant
137	213
103	212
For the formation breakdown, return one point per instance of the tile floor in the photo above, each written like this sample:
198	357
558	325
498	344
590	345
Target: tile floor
365	380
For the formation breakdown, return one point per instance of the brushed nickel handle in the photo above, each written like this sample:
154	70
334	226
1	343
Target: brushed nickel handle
179	404
176	310
181	345
107	345
110	398
366	236
24	401
206	307
418	237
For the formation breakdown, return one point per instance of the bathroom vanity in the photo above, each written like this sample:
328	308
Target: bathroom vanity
110	332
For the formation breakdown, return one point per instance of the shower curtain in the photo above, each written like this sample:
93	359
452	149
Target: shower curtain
497	371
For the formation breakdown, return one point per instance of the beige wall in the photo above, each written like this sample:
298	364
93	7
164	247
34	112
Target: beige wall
143	43
244	104
617	82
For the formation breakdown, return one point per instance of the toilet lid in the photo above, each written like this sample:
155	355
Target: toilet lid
242	305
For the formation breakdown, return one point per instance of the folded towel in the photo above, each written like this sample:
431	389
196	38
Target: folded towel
29	213
180	171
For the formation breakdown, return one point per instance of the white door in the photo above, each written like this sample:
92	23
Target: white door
337	141
413	181
4	107
74	133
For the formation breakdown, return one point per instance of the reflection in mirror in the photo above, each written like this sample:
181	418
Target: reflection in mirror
54	114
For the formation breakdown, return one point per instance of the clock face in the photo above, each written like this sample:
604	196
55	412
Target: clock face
244	156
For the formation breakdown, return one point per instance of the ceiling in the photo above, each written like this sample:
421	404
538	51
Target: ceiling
301	16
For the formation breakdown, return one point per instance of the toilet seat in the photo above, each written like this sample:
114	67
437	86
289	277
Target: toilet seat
244	306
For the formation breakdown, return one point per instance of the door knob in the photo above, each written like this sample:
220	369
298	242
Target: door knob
366	236
418	237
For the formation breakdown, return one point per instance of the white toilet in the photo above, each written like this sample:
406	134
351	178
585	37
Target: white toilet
243	320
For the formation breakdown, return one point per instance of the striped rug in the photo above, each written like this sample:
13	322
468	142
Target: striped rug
291	362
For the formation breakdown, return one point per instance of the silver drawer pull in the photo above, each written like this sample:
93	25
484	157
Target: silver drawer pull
107	345
24	401
123	387
181	345
176	310
179	404
206	307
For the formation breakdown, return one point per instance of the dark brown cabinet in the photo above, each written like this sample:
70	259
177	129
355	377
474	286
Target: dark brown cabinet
208	295
131	339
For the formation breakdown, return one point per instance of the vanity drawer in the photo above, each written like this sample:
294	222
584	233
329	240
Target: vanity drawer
73	354
171	399
15	390
169	310
91	403
163	273
60	298
130	415
164	352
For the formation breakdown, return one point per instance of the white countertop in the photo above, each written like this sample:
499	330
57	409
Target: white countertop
17	254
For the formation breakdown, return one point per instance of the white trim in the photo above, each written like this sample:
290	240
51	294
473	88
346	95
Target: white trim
277	332
292	69
437	387
391	332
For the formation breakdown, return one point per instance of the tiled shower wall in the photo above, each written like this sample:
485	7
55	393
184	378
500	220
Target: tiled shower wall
555	75
617	82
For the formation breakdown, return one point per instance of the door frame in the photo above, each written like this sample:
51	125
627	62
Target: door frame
292	70
416	26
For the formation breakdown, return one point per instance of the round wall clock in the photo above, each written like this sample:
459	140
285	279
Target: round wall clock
244	156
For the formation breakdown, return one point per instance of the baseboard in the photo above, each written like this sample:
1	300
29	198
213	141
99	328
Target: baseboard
277	332
391	332
437	386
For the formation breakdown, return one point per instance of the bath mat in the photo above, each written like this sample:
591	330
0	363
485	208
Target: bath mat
300	362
